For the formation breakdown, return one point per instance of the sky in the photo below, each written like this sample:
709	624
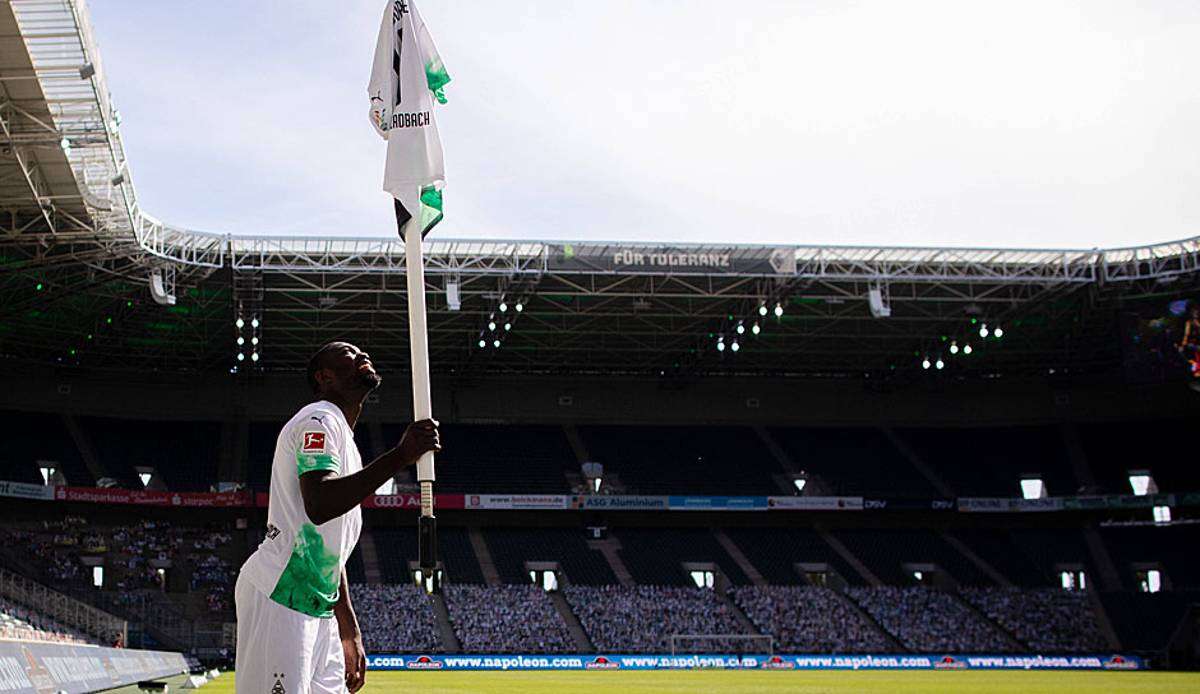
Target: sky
1046	123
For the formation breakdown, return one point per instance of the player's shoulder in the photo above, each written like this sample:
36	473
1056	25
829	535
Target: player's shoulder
320	414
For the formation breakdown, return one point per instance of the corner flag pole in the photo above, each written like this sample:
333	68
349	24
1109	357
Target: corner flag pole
407	80
418	340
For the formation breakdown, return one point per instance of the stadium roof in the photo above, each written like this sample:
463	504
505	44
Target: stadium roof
78	253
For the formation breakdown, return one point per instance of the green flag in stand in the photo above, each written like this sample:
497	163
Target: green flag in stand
407	77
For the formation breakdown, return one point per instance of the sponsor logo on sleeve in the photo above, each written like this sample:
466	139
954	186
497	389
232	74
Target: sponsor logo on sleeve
314	442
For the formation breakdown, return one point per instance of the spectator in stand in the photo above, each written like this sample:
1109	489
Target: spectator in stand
396	618
929	620
1047	619
506	619
808	619
642	619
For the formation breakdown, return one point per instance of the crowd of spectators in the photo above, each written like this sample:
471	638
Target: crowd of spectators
213	576
135	557
1045	619
395	618
929	620
16	622
809	619
643	618
506	619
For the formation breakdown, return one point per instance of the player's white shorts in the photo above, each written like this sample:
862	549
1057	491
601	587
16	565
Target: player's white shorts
282	651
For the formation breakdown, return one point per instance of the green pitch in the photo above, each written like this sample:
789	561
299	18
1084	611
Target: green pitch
1014	682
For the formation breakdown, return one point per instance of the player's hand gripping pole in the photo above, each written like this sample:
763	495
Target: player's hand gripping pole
414	267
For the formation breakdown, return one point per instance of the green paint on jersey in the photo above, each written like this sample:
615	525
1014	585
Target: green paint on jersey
431	208
437	78
309	582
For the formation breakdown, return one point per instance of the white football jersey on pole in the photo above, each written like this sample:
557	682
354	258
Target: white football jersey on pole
407	77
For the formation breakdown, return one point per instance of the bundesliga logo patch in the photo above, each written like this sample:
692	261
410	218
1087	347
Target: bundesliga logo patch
314	441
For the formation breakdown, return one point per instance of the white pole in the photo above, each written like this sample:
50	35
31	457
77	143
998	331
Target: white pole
414	270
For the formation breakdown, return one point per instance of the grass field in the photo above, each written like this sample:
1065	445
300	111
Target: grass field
1007	682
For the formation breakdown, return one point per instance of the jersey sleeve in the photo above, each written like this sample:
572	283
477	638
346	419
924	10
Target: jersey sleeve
436	77
380	88
317	445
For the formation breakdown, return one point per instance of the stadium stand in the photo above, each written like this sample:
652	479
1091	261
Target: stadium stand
1049	547
1171	549
184	453
1004	553
684	460
775	553
489	458
852	461
395	618
44	437
260	453
886	550
656	557
928	620
1145	622
642	619
396	547
990	462
356	572
506	619
1046	620
534	458
512	547
1113	449
20	623
809	619
198	564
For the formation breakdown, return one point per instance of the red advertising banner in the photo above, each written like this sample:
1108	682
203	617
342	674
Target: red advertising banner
150	497
394	501
412	501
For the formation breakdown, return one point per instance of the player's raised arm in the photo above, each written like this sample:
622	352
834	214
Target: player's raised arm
327	496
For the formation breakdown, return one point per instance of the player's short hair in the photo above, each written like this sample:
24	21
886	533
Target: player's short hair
317	362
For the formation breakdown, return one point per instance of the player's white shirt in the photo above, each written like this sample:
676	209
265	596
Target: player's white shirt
298	564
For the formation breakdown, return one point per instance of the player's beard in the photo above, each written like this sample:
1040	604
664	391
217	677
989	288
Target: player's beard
370	381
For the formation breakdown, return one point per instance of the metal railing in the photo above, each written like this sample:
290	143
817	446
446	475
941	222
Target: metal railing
62	608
